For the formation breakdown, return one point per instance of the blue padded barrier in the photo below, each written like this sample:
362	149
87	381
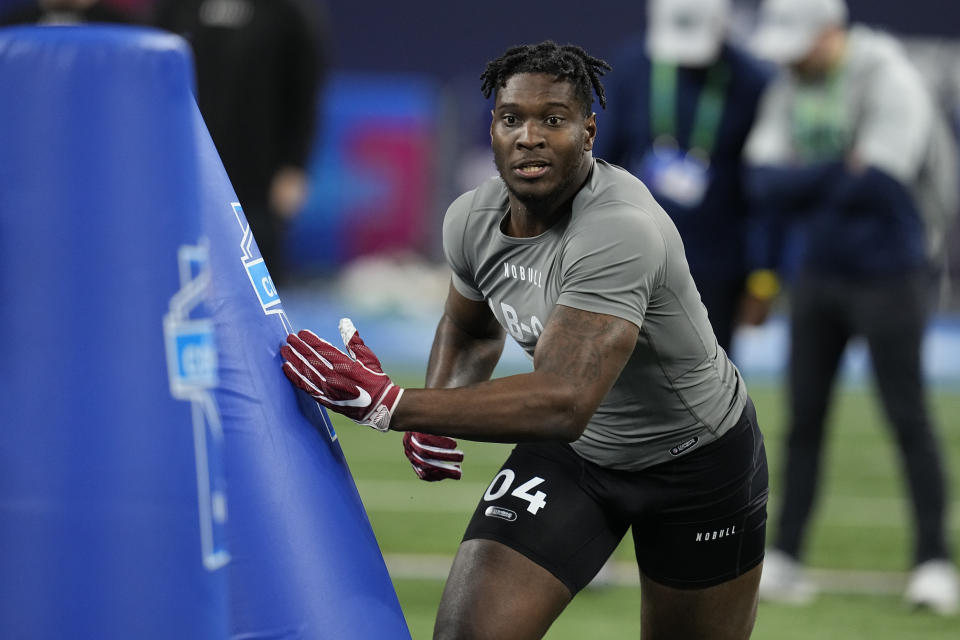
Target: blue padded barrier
100	529
159	478
305	563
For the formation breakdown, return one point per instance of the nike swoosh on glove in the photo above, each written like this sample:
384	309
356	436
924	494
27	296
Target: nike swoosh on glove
351	383
433	457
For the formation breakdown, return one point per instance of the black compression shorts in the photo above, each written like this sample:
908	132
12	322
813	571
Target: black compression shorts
697	521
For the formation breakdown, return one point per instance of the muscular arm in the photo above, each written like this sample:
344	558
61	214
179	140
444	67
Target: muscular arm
467	345
578	358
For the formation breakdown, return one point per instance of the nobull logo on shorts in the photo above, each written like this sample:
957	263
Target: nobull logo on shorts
707	536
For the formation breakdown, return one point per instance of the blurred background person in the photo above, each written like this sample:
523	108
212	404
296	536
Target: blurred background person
260	66
850	145
681	101
63	12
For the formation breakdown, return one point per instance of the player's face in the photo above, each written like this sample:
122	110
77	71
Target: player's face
541	139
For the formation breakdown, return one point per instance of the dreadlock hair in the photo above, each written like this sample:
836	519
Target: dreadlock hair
566	62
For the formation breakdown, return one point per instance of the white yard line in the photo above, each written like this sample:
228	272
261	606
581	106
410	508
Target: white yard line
624	574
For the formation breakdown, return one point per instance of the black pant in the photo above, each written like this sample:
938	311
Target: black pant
891	315
698	520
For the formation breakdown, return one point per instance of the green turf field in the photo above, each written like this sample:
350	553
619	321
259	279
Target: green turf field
860	537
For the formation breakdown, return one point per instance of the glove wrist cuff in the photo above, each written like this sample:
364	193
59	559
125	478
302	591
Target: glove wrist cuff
379	418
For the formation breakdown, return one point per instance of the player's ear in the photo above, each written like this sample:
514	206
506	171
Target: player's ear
590	126
492	121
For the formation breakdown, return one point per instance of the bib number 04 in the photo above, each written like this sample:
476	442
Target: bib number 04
502	482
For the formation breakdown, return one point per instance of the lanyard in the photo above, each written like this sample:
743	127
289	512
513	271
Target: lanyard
708	110
820	125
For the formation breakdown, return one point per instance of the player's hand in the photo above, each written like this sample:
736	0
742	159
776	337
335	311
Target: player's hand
433	457
288	192
754	311
351	383
760	290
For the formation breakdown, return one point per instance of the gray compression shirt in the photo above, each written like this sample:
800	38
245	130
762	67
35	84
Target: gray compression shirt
617	253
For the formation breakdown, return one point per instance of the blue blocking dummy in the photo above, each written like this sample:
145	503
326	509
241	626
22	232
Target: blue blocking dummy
304	561
159	477
110	507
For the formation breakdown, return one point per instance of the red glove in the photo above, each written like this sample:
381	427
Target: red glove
351	383
433	457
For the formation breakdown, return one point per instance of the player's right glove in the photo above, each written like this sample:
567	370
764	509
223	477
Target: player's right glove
433	457
351	383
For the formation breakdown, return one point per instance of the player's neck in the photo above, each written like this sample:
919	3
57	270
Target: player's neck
525	222
528	218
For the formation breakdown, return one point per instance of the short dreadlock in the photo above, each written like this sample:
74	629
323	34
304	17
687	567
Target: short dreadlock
566	62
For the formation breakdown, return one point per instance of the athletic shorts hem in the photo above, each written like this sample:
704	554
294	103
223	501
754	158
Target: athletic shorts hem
530	555
709	582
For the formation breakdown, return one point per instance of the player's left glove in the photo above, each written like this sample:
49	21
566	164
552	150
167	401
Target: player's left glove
351	383
433	457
